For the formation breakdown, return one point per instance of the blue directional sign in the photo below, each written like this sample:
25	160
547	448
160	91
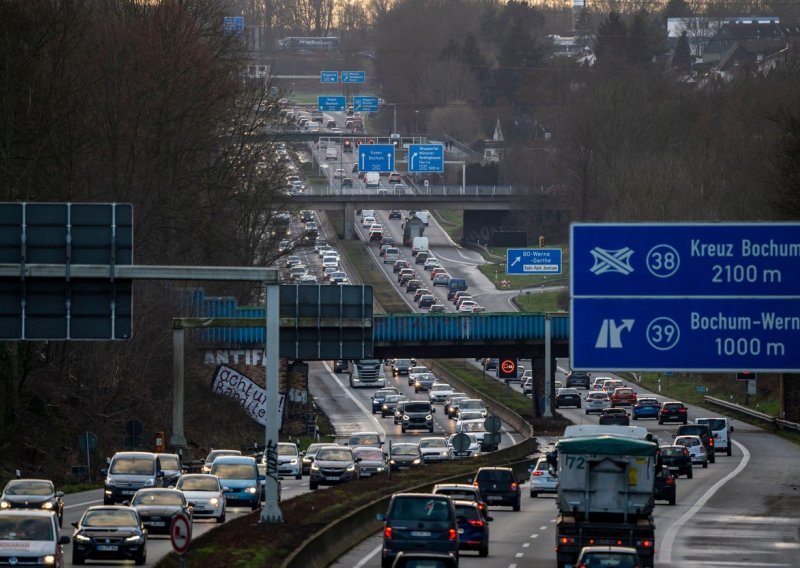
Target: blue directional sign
375	157
703	259
353	76
685	297
328	76
534	261
234	24
366	104
719	335
425	158
331	103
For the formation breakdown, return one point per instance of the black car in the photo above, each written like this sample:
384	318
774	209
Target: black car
673	412
705	433
664	487
417	414
404	456
340	366
386	240
395	214
108	532
158	506
379	395
413	285
618	416
579	379
418	522
499	486
390	404
399	265
33	494
677	459
401	366
473	527
333	465
490	363
568	397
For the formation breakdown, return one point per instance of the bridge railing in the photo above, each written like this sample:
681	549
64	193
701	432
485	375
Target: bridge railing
430	191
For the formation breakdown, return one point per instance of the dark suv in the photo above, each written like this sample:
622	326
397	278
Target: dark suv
702	430
673	412
418	414
401	367
498	486
579	379
418	521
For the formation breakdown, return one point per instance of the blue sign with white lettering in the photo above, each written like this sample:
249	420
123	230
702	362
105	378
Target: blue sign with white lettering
353	76
331	103
425	157
704	259
233	24
328	76
657	334
534	261
366	104
375	157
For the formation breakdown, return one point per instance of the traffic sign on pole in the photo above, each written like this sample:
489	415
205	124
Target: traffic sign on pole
425	158
533	261
507	369
331	103
376	158
365	104
180	533
353	76
328	76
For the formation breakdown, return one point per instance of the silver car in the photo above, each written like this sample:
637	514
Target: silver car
542	479
695	446
597	401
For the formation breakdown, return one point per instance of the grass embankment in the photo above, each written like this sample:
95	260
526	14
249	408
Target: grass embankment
371	274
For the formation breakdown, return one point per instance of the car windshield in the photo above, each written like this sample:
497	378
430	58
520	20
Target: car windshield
392	398
441	388
287	450
471	405
29	488
198	484
434	443
110	518
170	462
669	406
334	454
402	363
473	427
233	471
671	452
609	560
469	512
216	453
365	440
132	466
418	370
370	455
457	493
688	442
405	450
426	377
25	528
417	407
157	498
421	508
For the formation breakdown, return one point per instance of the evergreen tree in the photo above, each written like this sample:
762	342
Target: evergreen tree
612	39
682	58
677	9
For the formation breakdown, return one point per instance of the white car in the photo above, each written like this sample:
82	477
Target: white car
474	427
431	263
375	227
467	416
414	371
289	462
695	446
542	480
205	493
330	261
308	278
367	221
434	449
472	451
293	260
596	401
467	306
439	392
473	404
31	537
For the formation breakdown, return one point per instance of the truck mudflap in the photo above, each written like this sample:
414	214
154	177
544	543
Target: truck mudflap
572	536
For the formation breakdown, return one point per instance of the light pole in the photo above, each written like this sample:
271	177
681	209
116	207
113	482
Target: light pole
416	113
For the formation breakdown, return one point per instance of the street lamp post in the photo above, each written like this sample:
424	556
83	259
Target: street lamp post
416	113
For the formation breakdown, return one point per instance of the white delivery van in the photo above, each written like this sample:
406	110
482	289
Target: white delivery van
722	431
419	244
331	153
372	180
423	216
367	213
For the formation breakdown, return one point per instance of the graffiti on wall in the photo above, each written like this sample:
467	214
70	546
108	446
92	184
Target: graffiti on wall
231	383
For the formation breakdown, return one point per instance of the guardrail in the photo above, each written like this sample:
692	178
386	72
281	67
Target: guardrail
753	413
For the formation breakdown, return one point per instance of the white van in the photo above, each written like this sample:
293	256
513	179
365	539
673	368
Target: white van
331	153
419	244
367	213
423	216
373	180
722	432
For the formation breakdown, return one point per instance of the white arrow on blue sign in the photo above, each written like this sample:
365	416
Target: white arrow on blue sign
331	103
329	77
365	104
425	158
534	261
353	76
375	157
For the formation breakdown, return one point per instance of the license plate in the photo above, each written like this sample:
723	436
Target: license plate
157	524
673	468
366	474
125	492
331	478
107	547
420	533
460	531
494	498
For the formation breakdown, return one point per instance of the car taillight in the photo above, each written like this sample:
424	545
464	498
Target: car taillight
644	543
566	540
513	485
686	451
387	532
681	411
452	534
476	523
537	473
670	481
475	484
711	442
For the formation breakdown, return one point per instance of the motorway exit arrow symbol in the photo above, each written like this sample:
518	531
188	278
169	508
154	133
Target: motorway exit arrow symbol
516	260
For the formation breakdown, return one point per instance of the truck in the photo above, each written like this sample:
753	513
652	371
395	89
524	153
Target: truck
605	495
367	373
412	228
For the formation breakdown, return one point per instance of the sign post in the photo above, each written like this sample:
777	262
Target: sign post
701	297
180	534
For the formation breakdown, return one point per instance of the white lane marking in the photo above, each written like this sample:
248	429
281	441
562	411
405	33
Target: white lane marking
346	391
544	528
82	504
526	544
535	535
512	566
454	261
519	554
665	550
369	556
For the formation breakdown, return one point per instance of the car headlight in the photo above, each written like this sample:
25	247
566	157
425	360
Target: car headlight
82	538
379	469
314	467
391	462
214	501
150	483
294	461
47	505
5	505
351	469
110	481
307	460
429	417
250	490
49	560
417	461
405	417
134	538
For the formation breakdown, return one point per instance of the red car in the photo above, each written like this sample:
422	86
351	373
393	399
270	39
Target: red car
623	396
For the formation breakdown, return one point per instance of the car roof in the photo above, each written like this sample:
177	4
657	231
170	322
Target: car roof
28	513
235	460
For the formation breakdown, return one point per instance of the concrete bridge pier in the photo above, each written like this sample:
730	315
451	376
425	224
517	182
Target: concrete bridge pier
349	221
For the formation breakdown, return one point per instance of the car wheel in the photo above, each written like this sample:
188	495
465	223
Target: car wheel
730	450
299	476
579	407
430	429
77	558
141	560
403	430
108	501
221	518
587	411
255	506
484	551
635	417
689	475
534	494
672	500
684	422
312	485
517	505
713	457
705	465
660	421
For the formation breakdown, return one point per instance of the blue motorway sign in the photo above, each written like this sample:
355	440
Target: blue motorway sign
328	76
425	158
233	24
353	76
702	334
703	259
534	261
375	157
331	103
366	104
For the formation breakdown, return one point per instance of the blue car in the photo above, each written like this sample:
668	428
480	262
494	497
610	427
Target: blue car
646	408
473	527
240	480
